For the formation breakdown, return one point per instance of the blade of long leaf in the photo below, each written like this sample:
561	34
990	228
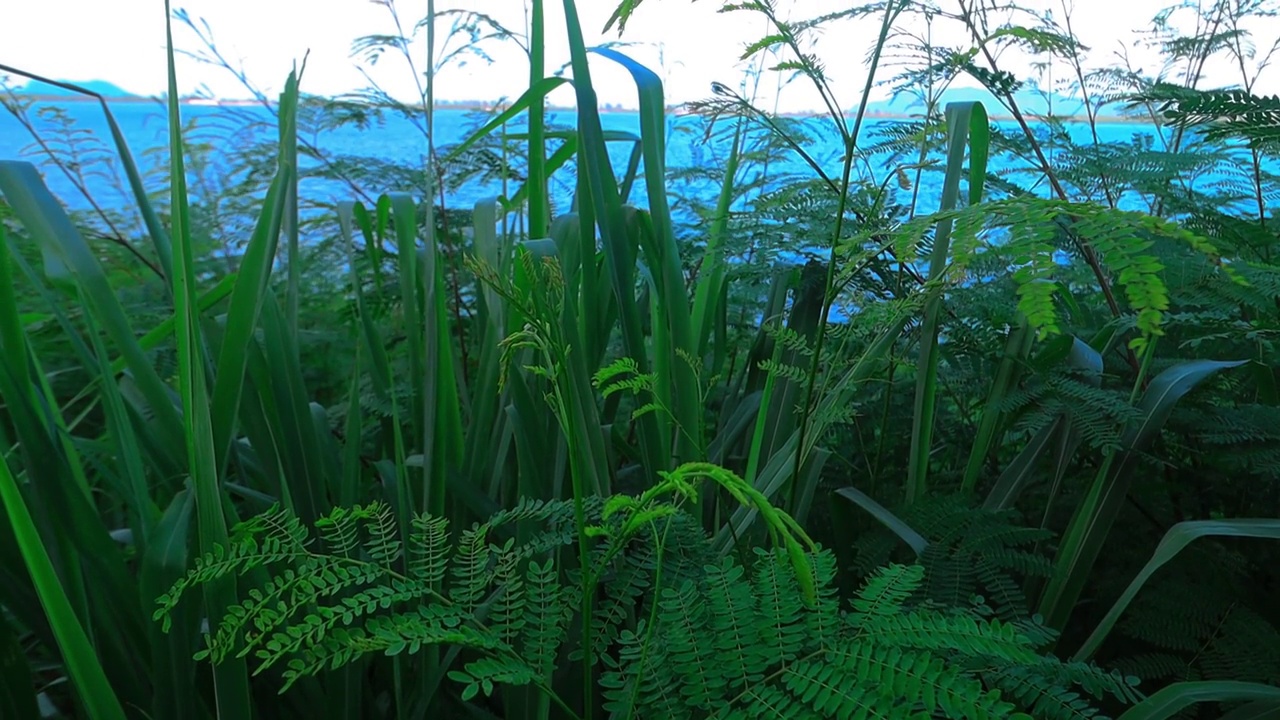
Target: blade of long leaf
1257	710
161	332
1085	536
48	223
1169	701
17	692
779	467
539	204
230	678
142	510
664	258
1059	433
287	163
488	421
73	533
86	674
164	561
534	94
281	376
159	237
963	119
1174	541
1016	348
711	272
905	532
603	207
442	441
244	312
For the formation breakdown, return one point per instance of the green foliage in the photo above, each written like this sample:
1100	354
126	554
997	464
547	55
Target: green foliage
723	639
1100	313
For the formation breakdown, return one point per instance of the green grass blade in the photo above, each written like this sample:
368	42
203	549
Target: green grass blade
158	334
349	215
231	681
353	431
1257	710
779	467
1083	541
905	532
1169	701
1015	352
488	422
159	237
90	566
963	120
163	562
600	188
293	424
1163	393
402	208
442	425
287	119
142	510
711	273
1059	433
1174	541
557	160
664	259
244	312
17	692
1021	470
86	674
535	94
380	373
50	226
539	202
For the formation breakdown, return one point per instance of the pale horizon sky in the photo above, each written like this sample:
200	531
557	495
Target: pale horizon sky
688	43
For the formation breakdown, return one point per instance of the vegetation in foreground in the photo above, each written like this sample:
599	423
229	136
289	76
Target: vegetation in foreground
264	457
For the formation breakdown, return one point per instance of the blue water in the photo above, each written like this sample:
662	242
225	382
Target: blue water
145	129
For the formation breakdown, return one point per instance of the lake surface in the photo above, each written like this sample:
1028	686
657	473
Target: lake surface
145	128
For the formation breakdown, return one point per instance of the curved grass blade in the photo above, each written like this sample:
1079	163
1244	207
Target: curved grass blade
159	237
1058	433
1082	543
164	561
1173	542
1257	710
1169	701
49	225
966	126
913	539
86	674
534	94
158	334
231	681
17	692
665	262
601	206
244	312
1016	349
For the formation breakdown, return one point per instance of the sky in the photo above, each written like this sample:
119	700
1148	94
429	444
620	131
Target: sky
689	43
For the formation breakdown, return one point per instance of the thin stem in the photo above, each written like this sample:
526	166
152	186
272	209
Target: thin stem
891	10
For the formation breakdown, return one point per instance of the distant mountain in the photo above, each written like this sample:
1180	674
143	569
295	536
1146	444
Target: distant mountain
1030	101
102	87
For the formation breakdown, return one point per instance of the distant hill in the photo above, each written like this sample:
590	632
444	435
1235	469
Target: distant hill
1030	101
102	87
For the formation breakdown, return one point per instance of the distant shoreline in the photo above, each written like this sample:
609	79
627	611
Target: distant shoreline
480	106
